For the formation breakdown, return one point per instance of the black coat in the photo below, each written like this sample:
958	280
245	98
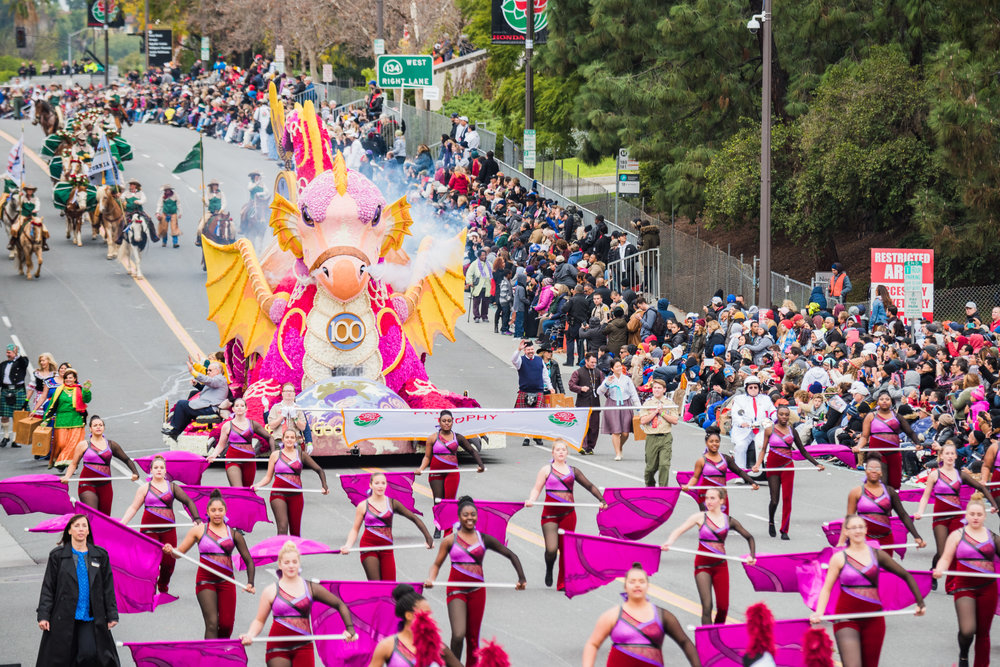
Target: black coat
19	368
57	605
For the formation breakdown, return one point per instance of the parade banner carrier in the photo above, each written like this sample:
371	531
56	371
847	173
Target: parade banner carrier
888	269
568	424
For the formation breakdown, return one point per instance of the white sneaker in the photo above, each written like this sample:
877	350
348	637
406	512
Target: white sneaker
618	458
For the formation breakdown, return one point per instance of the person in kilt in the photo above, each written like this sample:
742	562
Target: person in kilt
533	382
13	395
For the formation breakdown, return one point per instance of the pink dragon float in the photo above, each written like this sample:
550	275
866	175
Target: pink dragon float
317	305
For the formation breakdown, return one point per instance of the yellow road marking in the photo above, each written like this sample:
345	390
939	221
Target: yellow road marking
658	592
154	297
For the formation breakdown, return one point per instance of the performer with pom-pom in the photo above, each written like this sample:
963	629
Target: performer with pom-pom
817	648
492	655
760	630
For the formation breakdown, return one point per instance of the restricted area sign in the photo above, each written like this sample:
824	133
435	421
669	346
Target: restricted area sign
405	71
628	184
159	46
891	266
379	47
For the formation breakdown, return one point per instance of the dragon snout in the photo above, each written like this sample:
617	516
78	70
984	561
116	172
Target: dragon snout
344	276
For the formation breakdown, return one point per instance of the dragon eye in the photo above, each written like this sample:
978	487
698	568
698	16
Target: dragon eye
306	218
377	216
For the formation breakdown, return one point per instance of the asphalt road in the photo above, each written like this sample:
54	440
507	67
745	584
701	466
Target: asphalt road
88	311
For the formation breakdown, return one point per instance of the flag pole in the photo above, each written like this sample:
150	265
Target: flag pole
201	166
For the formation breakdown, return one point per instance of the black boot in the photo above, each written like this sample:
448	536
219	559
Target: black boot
770	529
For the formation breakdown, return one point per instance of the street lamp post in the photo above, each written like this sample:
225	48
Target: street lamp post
757	22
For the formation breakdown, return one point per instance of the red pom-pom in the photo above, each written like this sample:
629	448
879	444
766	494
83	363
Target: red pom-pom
491	654
760	628
817	648
426	639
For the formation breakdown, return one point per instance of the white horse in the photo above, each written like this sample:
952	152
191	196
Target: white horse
134	236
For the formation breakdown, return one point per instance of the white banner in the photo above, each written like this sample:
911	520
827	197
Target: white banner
15	161
566	423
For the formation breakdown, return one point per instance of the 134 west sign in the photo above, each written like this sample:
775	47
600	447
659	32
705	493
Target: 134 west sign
405	71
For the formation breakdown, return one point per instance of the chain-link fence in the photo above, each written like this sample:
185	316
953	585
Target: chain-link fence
949	304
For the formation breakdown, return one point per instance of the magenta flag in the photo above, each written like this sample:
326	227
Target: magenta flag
913	495
775	573
724	645
267	551
183	467
135	561
492	520
399	485
842	452
202	652
892	591
26	494
244	508
53	525
373	612
591	561
633	513
684	477
899	533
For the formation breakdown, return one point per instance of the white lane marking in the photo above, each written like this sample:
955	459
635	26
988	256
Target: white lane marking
176	177
580	459
160	165
754	516
6	321
144	155
20	348
192	189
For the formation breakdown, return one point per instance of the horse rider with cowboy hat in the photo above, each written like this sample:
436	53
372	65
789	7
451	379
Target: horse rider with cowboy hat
168	212
135	198
28	207
215	202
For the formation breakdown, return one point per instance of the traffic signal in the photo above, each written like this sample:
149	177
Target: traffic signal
21	37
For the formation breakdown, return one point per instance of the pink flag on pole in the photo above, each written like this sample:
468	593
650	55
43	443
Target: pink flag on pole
267	551
201	652
892	591
724	645
26	494
913	495
399	486
244	508
373	612
842	452
493	516
776	572
591	561
685	476
633	513
183	467
135	561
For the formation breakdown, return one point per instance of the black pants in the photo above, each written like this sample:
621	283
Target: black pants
573	339
593	431
85	644
183	415
501	321
481	307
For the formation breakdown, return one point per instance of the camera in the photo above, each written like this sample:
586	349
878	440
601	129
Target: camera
753	25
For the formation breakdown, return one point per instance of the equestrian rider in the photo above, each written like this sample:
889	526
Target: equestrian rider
28	207
258	195
135	198
168	212
215	202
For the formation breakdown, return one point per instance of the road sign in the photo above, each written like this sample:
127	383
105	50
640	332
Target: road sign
625	163
432	93
159	47
628	184
529	149
279	54
327	73
379	47
913	278
405	71
206	47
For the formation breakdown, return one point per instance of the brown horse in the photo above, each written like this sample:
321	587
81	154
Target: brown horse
110	217
29	246
46	116
75	211
8	216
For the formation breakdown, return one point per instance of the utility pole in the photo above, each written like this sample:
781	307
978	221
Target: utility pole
145	26
529	78
107	64
765	166
379	20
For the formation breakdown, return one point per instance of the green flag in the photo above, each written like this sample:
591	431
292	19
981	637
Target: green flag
192	161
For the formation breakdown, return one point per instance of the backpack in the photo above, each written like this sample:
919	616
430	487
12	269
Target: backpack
659	328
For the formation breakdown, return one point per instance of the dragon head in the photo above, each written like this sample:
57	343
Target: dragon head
342	229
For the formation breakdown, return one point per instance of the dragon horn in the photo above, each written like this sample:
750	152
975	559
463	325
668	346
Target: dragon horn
340	174
277	120
316	149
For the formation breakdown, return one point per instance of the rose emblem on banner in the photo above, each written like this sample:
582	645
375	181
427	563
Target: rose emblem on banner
564	419
367	419
516	14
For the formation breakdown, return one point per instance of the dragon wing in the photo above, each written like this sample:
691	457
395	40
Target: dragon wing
239	297
438	301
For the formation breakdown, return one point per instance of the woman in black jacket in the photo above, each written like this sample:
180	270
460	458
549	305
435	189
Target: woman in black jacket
76	618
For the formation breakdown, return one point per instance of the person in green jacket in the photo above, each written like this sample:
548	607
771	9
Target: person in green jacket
215	202
69	407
